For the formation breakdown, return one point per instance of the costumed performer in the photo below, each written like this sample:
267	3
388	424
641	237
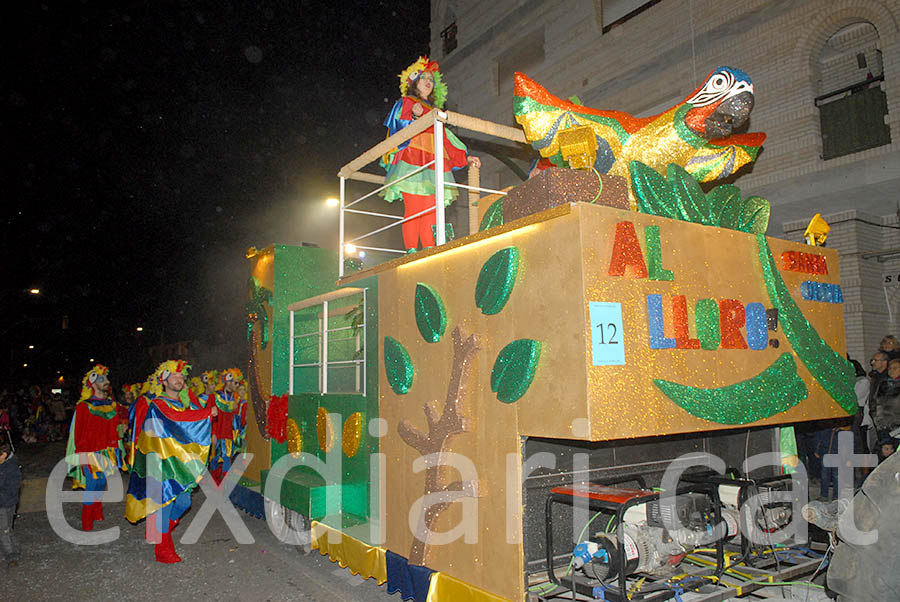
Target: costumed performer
240	418
224	431
209	380
169	449
422	89
94	437
123	408
196	385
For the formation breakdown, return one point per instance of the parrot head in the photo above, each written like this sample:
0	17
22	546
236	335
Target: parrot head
721	104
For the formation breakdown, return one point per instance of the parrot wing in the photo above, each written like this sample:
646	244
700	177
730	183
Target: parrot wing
542	115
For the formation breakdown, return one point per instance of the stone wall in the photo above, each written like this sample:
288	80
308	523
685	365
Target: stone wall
657	58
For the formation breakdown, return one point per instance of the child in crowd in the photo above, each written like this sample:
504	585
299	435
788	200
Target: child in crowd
10	482
886	449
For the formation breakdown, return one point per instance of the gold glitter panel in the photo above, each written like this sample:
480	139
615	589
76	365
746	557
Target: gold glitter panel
565	256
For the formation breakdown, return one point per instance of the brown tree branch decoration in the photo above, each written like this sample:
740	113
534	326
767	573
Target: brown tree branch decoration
441	427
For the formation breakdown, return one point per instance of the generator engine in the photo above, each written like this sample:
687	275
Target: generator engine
650	544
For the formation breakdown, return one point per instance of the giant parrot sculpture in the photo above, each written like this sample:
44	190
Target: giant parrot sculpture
696	133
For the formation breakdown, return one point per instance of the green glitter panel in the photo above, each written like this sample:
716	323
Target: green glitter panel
654	255
772	391
679	196
431	318
397	366
496	280
833	372
493	216
514	369
708	324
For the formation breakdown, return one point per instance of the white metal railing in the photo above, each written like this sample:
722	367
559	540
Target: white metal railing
435	119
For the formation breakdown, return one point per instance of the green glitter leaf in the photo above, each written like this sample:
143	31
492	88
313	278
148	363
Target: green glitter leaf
833	372
493	216
679	196
496	280
431	318
725	204
754	215
514	369
397	366
691	201
652	191
772	391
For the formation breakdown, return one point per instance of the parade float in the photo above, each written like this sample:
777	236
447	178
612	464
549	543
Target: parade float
501	407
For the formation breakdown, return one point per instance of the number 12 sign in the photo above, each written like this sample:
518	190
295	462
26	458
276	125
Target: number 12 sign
607	344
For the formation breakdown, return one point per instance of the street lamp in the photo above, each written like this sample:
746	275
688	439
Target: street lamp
35	291
139	329
332	202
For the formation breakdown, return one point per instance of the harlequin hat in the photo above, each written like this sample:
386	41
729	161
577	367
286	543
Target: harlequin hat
196	385
87	388
414	71
229	375
164	371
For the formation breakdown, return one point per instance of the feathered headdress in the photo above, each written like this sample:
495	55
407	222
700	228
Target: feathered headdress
196	384
166	369
414	71
210	376
229	375
87	388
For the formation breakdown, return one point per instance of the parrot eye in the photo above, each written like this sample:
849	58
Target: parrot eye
718	82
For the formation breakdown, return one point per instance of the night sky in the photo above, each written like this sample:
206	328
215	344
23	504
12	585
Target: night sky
149	144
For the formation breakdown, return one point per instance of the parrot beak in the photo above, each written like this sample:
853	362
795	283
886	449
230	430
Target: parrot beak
729	116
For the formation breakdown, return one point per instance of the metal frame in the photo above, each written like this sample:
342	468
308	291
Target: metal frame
584	588
351	171
322	334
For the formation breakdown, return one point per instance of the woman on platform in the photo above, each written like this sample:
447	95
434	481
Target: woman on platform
422	90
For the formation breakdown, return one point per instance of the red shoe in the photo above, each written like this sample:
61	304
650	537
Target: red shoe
150	532
98	510
87	517
165	550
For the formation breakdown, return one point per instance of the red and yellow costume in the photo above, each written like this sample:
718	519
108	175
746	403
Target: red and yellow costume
227	427
417	190
94	437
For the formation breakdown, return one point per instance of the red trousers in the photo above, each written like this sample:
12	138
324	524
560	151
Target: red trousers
419	228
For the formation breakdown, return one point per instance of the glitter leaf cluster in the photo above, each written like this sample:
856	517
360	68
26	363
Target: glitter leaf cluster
679	196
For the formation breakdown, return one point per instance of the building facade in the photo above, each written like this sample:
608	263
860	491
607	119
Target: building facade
826	76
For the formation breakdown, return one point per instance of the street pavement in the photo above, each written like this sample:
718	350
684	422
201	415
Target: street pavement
216	568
